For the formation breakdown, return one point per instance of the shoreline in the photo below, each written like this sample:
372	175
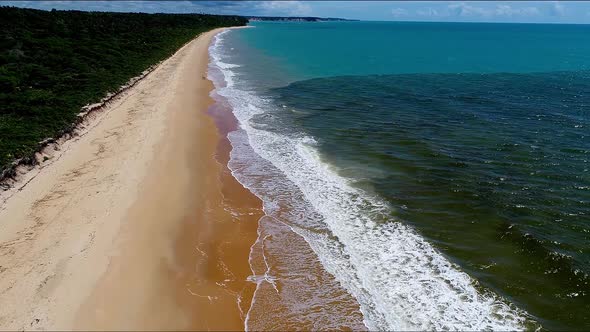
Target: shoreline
129	228
287	271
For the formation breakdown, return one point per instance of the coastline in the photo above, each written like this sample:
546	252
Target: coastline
134	226
294	290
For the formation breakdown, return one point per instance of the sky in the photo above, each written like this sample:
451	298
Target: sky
441	11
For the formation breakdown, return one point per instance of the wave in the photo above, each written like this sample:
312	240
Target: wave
399	280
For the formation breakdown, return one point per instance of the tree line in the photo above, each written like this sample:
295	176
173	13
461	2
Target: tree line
54	62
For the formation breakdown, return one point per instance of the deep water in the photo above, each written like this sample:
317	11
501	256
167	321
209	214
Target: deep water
492	168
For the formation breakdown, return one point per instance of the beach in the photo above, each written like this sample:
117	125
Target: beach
278	177
136	223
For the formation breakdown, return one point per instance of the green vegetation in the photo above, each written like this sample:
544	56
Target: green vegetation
53	63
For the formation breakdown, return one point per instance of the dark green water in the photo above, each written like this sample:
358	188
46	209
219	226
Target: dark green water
492	168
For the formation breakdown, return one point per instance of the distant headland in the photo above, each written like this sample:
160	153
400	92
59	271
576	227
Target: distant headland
296	19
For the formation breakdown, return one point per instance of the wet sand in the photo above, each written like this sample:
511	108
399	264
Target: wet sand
139	224
294	292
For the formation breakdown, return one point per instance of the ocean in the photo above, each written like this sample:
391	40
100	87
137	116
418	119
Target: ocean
415	176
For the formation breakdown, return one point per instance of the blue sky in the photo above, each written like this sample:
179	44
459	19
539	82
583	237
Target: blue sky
451	11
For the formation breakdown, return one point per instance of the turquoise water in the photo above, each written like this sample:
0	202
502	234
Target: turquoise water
361	48
449	162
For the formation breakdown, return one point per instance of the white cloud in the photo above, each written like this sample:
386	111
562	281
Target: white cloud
468	10
399	12
463	9
506	10
284	8
557	9
429	12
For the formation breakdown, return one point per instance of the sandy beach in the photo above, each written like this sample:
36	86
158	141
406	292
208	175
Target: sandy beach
138	224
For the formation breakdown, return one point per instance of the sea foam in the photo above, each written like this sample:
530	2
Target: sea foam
400	281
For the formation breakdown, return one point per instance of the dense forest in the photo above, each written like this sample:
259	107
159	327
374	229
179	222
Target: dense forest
54	62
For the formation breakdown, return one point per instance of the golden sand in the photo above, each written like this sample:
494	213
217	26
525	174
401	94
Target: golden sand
137	225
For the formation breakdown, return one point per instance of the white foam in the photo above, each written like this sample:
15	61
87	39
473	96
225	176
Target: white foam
400	281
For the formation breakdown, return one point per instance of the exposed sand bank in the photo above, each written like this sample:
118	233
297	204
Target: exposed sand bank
136	225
